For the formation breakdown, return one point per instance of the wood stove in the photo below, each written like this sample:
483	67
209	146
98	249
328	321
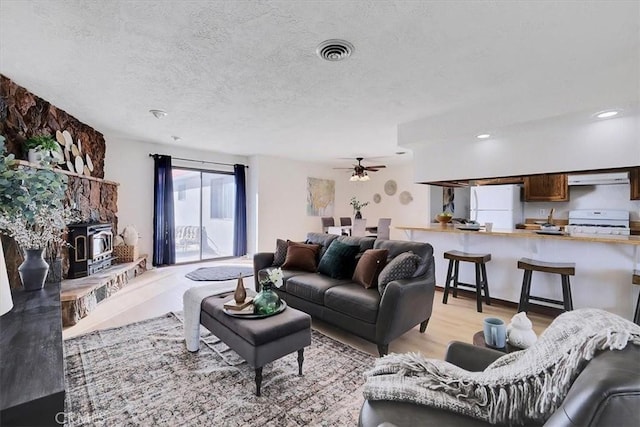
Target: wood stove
90	250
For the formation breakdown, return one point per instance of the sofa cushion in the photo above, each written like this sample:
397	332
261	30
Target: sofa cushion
364	242
311	287
401	267
322	239
301	256
339	260
354	300
280	254
369	267
396	247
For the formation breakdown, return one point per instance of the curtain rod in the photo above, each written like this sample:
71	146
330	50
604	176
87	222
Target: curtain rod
198	161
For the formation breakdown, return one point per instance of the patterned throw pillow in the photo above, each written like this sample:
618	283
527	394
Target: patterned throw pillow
280	254
301	256
369	267
402	266
338	261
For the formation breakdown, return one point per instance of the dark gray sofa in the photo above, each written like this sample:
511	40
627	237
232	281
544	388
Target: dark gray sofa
348	305
606	393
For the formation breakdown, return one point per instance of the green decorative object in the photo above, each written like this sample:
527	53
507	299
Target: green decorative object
267	301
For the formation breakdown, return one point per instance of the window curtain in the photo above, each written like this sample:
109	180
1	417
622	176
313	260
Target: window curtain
240	232
164	227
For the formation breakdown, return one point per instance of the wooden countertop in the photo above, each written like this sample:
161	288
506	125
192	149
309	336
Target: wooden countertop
596	238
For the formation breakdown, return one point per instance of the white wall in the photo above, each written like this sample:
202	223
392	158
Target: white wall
128	163
279	191
550	145
614	196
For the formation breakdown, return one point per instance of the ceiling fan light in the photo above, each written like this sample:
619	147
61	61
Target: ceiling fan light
365	178
354	177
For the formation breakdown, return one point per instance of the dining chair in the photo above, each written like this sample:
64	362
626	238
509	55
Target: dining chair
327	221
381	231
345	221
359	227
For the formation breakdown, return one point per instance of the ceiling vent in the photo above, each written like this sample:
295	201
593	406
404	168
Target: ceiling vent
334	50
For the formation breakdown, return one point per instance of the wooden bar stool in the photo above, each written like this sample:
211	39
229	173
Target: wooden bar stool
564	269
636	281
479	261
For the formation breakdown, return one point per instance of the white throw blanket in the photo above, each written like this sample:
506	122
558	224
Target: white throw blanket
191	302
518	387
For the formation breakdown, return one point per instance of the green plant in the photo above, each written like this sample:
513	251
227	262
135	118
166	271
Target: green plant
356	204
41	143
32	209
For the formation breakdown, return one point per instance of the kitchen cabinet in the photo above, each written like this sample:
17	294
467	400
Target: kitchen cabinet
634	180
546	188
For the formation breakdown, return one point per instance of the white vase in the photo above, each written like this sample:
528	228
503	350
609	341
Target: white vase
34	156
520	331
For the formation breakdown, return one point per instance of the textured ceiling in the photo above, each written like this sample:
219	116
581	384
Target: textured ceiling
242	76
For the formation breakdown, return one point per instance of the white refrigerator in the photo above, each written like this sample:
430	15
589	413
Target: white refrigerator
499	204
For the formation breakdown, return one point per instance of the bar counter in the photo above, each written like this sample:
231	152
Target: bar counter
604	263
532	234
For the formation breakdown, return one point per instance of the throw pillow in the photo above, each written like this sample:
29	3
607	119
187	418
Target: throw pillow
280	254
369	267
401	267
301	256
338	260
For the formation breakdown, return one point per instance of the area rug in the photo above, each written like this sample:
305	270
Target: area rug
142	374
221	272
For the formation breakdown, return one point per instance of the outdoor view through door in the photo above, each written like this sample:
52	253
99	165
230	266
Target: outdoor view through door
204	203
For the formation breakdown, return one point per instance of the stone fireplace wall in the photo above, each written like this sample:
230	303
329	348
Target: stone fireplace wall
23	115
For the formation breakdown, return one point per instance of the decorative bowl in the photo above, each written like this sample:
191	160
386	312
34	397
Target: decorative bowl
443	219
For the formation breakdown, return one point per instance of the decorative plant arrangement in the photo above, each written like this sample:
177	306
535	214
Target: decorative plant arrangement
42	146
357	206
32	212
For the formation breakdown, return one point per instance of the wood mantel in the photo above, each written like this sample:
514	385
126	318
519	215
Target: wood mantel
64	172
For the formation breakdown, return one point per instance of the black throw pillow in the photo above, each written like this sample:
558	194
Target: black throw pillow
339	260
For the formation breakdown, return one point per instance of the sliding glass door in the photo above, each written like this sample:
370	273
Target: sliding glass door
204	203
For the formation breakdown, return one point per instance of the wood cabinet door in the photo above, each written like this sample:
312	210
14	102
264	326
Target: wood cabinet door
634	179
546	188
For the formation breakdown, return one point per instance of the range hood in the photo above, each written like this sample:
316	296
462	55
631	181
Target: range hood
599	178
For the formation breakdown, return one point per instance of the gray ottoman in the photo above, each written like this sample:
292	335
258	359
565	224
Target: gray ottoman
258	341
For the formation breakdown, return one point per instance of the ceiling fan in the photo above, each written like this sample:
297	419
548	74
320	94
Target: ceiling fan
360	172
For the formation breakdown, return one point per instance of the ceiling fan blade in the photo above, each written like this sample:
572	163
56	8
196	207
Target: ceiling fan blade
375	167
350	169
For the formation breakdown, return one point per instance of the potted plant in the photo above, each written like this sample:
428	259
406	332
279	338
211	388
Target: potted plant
40	146
32	212
357	206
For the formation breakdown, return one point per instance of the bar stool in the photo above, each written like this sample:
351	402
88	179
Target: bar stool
564	269
479	260
636	281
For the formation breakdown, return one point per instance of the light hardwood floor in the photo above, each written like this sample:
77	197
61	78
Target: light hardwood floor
159	291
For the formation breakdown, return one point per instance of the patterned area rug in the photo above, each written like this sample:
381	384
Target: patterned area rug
222	272
142	374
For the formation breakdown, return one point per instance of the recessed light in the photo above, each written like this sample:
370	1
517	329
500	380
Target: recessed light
607	114
400	153
158	114
483	136
176	138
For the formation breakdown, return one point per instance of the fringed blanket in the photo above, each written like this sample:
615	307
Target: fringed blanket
527	385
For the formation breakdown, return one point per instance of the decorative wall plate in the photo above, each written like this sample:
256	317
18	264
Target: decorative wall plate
87	172
68	141
89	163
377	198
406	198
74	150
79	165
79	147
390	187
70	166
60	138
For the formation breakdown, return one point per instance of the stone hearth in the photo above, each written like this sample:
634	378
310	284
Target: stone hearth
80	296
